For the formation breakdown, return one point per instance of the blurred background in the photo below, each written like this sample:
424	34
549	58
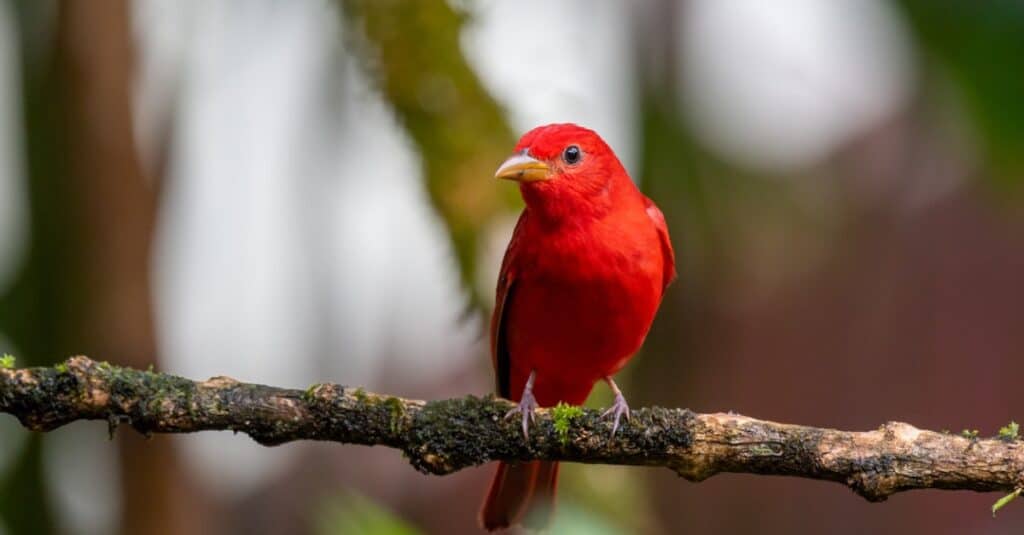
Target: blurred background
299	192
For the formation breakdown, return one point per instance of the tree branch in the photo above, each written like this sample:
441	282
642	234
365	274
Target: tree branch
441	437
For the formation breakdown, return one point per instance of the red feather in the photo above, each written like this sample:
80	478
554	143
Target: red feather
580	283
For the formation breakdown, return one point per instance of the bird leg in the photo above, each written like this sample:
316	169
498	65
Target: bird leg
527	404
618	408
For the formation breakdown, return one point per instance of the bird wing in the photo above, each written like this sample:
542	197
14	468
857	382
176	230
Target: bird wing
506	291
667	254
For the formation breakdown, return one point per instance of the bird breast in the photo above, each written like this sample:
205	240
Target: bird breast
585	302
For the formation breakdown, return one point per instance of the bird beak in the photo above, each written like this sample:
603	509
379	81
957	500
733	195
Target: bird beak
523	168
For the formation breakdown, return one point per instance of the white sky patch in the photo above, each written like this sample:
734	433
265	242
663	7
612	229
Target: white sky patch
296	242
399	304
553	62
234	296
778	85
81	469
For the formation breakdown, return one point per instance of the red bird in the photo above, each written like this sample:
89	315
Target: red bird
579	286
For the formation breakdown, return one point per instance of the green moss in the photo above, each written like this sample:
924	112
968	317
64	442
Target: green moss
7	362
310	392
61	367
563	415
397	411
1009	431
413	52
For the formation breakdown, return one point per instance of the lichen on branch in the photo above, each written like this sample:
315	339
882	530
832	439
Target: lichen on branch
441	437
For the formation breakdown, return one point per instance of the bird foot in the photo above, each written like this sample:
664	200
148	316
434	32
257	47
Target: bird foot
527	406
617	409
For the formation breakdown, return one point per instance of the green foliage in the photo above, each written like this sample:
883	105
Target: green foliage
414	53
977	46
563	415
352	514
7	361
969	433
595	498
1005	500
61	367
1010	431
574	519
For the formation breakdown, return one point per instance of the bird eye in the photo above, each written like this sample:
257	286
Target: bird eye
572	154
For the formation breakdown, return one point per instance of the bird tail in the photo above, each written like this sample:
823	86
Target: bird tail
520	493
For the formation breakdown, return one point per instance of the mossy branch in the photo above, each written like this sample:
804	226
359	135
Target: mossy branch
413	53
441	437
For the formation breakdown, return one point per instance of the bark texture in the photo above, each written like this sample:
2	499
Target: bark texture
441	437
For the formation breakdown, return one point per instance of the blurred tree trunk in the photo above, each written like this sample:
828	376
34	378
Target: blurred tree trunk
86	287
114	211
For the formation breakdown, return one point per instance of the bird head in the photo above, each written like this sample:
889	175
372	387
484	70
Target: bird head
564	168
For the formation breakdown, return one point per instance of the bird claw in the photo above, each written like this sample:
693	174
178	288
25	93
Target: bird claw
618	408
527	405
